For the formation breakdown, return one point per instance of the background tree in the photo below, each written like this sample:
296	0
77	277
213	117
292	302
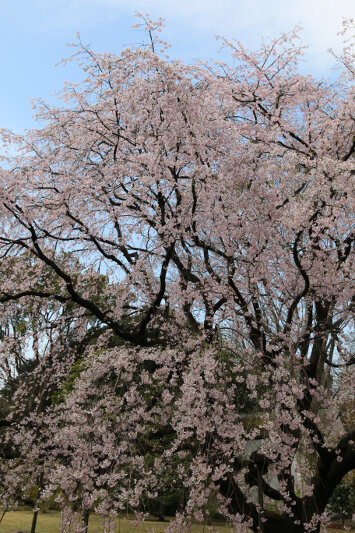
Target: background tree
342	501
42	350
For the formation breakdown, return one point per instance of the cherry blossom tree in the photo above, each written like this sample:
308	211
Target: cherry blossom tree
218	202
41	343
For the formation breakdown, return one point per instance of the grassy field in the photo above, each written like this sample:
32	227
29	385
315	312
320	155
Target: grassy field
17	521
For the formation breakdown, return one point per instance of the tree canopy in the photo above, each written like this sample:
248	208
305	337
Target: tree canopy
184	235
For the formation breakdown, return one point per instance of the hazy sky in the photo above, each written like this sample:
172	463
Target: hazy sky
33	34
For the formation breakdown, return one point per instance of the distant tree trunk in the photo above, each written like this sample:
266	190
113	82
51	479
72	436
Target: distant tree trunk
35	512
2	515
161	516
260	501
34	521
86	516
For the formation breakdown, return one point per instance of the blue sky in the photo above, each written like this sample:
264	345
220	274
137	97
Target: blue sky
33	35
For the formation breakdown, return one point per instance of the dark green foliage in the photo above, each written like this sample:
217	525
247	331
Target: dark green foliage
168	501
342	502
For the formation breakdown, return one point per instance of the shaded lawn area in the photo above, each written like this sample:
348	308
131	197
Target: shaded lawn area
16	521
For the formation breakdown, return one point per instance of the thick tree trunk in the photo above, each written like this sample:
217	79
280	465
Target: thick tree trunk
274	522
279	524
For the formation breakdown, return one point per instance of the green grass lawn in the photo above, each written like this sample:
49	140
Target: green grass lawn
49	523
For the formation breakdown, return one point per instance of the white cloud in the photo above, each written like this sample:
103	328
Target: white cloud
246	20
251	19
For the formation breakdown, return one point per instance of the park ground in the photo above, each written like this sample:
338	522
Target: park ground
20	521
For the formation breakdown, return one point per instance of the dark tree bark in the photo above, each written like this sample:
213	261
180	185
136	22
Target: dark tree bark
34	521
